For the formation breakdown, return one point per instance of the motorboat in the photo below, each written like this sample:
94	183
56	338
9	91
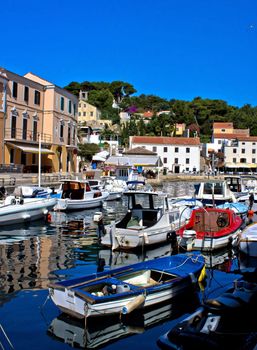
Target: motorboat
148	221
124	289
247	240
225	322
214	193
209	229
111	184
78	195
19	210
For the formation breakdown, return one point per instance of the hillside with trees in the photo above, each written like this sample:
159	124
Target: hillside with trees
198	114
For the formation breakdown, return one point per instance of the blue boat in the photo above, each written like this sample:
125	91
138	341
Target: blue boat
124	289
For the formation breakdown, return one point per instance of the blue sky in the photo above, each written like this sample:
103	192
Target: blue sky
170	48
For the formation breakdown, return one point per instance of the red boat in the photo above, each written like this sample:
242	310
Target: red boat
209	229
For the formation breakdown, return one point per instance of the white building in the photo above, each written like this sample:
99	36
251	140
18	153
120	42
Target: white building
178	154
240	154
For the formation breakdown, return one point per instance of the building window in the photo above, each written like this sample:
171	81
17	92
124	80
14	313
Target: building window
69	135
187	150
154	149
254	143
91	114
253	160
165	149
62	103
34	130
234	150
70	106
176	160
84	114
187	160
243	143
13	127
242	160
14	89
254	151
79	114
61	130
24	128
33	158
37	98
176	149
223	130
234	160
219	142
74	109
243	150
165	160
79	104
26	94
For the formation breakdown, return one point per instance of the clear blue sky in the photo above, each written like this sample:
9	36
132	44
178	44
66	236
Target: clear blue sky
170	48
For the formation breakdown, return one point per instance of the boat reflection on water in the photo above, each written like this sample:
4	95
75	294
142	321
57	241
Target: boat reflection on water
102	330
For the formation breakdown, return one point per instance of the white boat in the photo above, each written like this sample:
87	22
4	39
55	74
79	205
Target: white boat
214	193
247	240
78	195
149	220
18	210
114	186
126	288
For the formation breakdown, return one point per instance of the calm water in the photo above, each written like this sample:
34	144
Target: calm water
33	255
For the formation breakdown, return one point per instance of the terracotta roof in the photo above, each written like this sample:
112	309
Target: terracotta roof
161	140
231	136
148	114
223	125
139	150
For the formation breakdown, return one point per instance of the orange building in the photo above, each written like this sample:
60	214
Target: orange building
37	116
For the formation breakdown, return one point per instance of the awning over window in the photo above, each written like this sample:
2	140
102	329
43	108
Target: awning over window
241	165
29	149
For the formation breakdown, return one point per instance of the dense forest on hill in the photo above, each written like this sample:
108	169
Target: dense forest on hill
198	114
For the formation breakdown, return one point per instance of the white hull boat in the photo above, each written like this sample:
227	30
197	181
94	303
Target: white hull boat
78	195
124	289
148	221
19	210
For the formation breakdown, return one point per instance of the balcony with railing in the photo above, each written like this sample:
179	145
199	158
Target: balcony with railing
27	136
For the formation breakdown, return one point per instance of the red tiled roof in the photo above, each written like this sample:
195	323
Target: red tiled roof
240	137
148	114
161	140
219	125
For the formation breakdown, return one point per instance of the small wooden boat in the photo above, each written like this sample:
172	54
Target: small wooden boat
124	289
247	240
78	195
149	221
226	322
16	210
209	229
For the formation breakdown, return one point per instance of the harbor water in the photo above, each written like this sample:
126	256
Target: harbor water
67	247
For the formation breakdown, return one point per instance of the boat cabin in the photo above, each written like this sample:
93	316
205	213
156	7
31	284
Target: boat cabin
76	189
144	209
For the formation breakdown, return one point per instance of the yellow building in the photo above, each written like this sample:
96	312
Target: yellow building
37	116
90	115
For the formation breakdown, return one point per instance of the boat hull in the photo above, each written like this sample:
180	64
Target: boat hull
31	210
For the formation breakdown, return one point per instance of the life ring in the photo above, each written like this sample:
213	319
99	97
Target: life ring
221	221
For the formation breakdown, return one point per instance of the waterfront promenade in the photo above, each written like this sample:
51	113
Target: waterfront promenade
11	180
